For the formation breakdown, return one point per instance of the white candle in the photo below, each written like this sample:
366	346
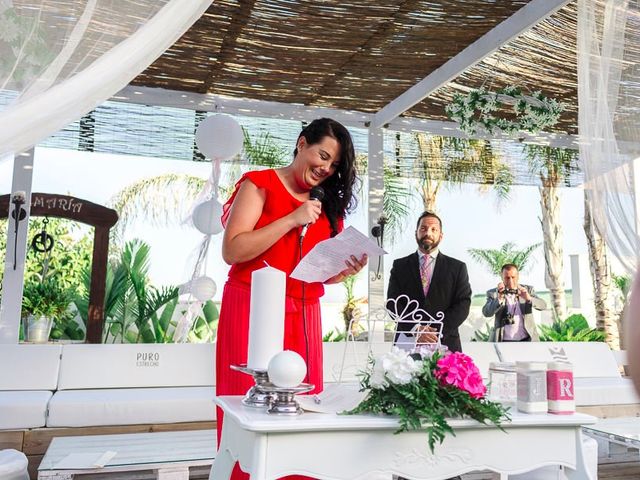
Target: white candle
266	316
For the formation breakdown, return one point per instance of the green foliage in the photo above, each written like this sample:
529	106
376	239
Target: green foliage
425	404
484	109
205	326
494	259
623	284
138	312
70	256
482	335
396	198
47	298
334	335
553	165
351	312
53	280
574	329
264	150
163	200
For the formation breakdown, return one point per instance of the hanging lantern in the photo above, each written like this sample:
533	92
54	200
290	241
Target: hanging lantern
206	217
203	288
219	137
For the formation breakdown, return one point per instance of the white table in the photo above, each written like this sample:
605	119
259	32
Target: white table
169	454
357	447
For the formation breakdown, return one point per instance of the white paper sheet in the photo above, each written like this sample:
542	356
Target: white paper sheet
335	398
81	461
328	257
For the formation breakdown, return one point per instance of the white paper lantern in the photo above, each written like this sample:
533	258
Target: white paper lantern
219	136
206	217
203	288
287	369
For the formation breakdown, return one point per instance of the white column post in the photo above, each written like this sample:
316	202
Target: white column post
376	190
13	280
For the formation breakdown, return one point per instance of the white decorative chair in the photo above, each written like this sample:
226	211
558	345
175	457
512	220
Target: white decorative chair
343	361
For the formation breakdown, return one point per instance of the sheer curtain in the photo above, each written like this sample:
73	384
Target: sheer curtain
609	120
59	59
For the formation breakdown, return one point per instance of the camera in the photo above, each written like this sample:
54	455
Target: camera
508	319
513	291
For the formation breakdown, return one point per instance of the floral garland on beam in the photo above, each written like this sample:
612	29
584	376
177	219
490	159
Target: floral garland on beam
533	112
424	391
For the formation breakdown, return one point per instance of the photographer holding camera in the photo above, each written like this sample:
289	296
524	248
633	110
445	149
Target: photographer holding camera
512	304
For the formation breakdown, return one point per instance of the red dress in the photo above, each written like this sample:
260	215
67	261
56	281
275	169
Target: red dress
233	326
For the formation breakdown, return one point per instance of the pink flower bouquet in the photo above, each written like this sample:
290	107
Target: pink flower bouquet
424	391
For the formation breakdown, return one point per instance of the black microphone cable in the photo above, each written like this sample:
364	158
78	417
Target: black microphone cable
316	193
304	314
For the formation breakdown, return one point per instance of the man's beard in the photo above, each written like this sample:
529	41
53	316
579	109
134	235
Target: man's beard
426	245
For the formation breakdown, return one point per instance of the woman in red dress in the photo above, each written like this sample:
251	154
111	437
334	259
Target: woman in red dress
263	220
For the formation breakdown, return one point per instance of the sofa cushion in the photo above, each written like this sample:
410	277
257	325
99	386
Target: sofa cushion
482	353
589	359
136	366
23	409
129	406
604	391
29	367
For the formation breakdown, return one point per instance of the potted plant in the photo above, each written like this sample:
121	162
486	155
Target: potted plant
43	303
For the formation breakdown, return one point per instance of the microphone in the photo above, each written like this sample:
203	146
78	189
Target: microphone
316	193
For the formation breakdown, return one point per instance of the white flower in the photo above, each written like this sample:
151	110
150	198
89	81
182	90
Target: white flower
377	378
396	367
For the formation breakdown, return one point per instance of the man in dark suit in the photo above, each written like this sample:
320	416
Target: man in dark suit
437	282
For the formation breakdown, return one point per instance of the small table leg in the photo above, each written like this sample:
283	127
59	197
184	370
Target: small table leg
222	465
173	473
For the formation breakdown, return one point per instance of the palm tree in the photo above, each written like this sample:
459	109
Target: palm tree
456	161
553	166
166	199
163	199
603	282
395	201
508	253
441	162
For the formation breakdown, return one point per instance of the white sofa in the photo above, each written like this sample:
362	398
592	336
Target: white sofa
28	378
102	385
597	379
134	384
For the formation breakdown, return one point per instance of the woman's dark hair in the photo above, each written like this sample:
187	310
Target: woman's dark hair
339	197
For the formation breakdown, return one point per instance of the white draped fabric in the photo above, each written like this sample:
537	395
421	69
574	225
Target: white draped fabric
609	120
59	59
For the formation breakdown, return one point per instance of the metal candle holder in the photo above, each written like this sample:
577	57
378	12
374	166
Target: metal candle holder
255	397
283	401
